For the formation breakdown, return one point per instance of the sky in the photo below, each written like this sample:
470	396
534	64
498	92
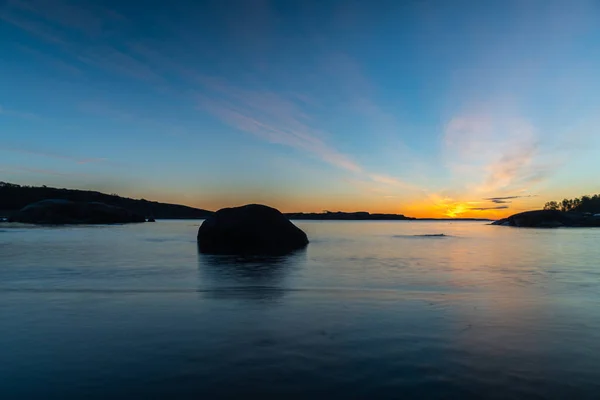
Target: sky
424	108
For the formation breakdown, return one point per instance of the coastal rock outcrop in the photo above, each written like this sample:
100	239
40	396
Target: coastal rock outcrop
248	230
60	212
550	219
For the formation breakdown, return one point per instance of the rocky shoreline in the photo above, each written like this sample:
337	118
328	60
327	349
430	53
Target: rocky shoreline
550	219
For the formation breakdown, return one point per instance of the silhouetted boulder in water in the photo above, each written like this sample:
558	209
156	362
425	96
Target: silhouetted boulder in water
74	212
549	219
250	229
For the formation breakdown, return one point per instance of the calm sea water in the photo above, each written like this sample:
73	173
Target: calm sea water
370	309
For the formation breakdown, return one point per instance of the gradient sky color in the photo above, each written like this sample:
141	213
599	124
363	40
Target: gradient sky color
426	108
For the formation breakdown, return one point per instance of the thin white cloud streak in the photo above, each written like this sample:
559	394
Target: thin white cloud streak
395	182
285	119
272	118
279	120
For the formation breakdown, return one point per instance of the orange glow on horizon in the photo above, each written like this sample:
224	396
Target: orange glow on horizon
415	210
425	207
454	210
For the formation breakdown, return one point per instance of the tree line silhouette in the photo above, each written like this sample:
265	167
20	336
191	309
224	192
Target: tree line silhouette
587	203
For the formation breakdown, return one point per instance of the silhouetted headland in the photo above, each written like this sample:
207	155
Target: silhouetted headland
15	197
581	211
250	229
58	211
550	219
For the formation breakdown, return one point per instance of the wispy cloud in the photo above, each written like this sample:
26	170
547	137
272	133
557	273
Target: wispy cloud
505	199
488	208
271	117
510	168
394	182
498	153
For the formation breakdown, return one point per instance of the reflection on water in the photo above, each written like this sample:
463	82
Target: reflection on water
367	310
246	277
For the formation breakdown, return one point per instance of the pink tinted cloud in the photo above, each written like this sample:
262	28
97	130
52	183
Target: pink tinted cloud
498	154
512	167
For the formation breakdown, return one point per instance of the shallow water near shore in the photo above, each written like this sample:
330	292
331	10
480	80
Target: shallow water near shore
369	309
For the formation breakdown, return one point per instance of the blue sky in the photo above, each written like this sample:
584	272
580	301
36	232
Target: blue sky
417	107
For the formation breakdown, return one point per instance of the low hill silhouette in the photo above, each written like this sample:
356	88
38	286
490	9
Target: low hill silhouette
14	197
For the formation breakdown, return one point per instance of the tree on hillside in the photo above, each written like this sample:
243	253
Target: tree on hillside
584	204
551	205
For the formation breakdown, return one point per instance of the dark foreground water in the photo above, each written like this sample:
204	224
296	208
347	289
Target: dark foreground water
370	309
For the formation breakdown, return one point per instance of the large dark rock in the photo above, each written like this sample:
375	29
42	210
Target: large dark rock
250	229
550	219
74	212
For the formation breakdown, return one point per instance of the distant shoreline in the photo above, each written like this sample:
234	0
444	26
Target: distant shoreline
365	216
